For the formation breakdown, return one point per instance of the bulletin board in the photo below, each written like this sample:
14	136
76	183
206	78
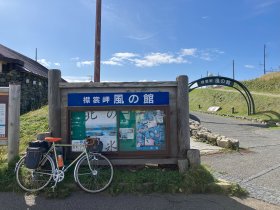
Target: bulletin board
4	100
123	131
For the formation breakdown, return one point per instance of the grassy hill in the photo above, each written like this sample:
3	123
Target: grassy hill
269	83
267	104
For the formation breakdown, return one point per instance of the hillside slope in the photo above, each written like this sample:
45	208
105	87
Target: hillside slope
267	107
269	83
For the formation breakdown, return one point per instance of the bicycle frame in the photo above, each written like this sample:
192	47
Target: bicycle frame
64	169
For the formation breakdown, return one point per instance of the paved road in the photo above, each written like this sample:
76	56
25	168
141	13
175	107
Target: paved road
257	167
85	201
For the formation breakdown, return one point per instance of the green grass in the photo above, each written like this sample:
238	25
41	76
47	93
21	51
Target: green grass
140	181
269	83
267	107
126	180
31	124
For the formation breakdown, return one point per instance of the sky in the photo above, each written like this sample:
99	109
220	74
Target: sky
146	40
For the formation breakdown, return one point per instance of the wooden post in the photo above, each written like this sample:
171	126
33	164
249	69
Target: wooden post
54	77
183	115
193	157
13	121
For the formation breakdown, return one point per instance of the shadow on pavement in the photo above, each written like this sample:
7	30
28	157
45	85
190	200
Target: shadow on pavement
269	114
240	124
193	117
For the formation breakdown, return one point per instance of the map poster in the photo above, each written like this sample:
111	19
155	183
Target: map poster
150	129
142	130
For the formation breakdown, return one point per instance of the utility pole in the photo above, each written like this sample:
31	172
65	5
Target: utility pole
233	69
264	72
90	78
36	54
97	42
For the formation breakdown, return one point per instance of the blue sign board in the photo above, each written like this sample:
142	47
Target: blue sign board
118	99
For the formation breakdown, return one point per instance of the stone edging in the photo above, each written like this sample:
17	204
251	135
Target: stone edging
203	134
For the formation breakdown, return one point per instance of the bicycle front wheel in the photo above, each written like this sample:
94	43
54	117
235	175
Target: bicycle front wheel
94	174
33	180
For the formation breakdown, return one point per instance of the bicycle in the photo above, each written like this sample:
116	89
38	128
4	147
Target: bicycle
93	171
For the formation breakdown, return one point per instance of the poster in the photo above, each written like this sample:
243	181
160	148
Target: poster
127	134
2	120
100	124
124	131
150	129
103	125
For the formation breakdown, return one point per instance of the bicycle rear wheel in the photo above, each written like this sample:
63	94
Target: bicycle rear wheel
94	174
33	180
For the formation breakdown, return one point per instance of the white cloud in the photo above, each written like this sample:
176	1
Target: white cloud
88	78
57	64
188	52
155	59
119	58
205	56
261	7
209	54
111	63
77	79
75	58
44	62
248	66
125	55
204	17
217	51
141	37
84	63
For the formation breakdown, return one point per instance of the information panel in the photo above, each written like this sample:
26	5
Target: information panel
4	99
120	131
2	120
124	122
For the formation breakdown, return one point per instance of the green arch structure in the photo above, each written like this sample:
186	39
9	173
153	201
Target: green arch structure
225	81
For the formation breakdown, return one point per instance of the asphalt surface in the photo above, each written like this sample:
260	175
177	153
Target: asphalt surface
256	166
85	201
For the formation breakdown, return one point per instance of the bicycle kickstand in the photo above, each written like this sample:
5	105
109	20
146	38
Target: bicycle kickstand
54	186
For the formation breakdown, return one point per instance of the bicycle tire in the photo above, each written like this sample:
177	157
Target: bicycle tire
32	180
96	177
